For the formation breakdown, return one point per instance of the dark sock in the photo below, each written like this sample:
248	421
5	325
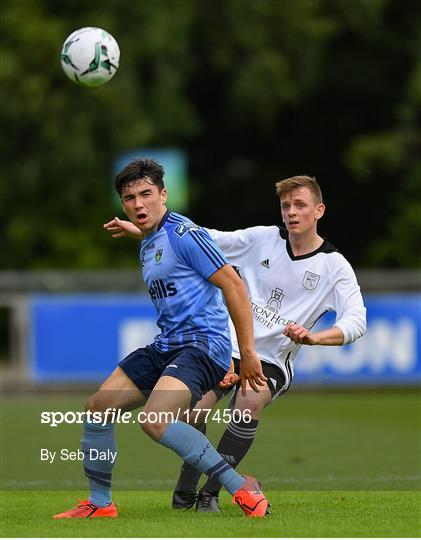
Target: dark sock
189	476
233	446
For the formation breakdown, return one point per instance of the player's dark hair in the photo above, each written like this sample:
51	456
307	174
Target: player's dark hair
140	169
296	182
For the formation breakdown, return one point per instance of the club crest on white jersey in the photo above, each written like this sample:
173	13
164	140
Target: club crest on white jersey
310	280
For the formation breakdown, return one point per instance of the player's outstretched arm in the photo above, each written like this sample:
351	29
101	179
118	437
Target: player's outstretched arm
239	309
120	228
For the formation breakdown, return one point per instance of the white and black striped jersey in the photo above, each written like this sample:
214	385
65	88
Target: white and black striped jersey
284	288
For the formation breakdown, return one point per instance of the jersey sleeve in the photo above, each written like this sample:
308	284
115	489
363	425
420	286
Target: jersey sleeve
348	302
197	249
235	244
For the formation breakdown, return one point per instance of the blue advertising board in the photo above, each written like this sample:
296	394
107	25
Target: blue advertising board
82	337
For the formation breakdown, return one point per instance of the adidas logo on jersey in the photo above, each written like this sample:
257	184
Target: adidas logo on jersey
265	263
161	290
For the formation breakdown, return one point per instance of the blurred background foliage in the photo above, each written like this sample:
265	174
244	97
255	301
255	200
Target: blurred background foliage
253	90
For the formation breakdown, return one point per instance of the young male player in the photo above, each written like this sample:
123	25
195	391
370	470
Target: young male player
185	272
293	276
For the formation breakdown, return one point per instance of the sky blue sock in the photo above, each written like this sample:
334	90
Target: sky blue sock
194	448
98	438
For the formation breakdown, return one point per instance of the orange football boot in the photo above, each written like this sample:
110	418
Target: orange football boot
251	498
85	509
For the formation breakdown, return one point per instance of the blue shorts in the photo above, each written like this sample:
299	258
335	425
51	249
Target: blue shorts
190	365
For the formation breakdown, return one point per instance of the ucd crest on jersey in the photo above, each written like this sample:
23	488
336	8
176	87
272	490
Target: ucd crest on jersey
310	280
158	255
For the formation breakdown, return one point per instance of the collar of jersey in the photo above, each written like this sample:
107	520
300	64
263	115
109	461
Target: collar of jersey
161	224
163	220
326	247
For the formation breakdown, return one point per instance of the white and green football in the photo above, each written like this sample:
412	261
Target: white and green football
90	56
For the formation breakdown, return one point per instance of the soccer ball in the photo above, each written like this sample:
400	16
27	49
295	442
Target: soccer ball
90	56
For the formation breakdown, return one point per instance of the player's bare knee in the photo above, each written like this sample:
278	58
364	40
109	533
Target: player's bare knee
155	430
90	404
251	404
95	403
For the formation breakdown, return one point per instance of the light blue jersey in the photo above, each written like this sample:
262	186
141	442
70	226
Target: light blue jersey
177	261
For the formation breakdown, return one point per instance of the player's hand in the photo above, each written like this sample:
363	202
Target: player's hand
120	228
251	371
230	379
299	334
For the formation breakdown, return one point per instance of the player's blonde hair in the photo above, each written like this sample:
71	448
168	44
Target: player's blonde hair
295	182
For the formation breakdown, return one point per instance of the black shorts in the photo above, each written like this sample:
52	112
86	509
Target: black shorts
190	365
275	380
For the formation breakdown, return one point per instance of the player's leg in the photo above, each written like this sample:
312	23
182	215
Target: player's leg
117	392
167	402
236	441
171	395
185	491
177	390
239	435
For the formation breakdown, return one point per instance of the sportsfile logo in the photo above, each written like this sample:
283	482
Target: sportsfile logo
159	289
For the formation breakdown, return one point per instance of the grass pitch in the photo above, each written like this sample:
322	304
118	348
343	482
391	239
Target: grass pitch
148	514
333	464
